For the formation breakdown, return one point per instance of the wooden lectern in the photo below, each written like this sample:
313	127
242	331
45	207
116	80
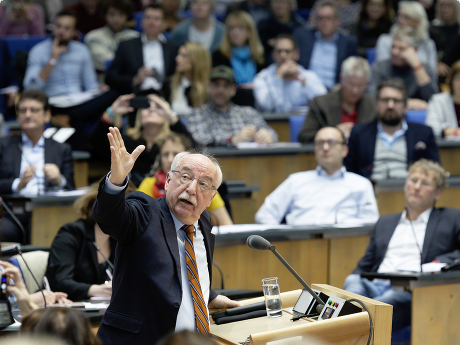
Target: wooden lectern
350	329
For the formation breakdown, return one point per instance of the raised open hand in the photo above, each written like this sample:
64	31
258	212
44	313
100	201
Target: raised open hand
122	161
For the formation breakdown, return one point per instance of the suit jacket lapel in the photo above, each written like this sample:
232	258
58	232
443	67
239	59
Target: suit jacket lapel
16	151
430	232
139	57
410	142
390	229
206	227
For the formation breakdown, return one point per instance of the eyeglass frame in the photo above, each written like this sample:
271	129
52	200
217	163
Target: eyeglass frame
192	177
331	143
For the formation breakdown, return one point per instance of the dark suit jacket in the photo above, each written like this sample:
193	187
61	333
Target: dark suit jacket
442	239
147	290
360	159
72	265
10	161
346	47
327	110
129	58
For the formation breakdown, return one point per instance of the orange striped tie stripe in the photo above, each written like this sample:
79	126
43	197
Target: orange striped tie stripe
199	305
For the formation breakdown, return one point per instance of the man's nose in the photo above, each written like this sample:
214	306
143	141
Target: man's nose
191	188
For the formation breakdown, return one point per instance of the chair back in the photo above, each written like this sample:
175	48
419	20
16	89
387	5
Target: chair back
295	125
37	261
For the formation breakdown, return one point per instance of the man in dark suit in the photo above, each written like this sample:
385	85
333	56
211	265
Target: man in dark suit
29	163
342	108
386	147
323	50
151	291
142	64
404	242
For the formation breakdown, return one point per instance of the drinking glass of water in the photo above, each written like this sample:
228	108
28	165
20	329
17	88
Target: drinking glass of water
272	296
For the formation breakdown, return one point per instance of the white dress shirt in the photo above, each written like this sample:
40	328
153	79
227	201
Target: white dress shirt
315	197
152	52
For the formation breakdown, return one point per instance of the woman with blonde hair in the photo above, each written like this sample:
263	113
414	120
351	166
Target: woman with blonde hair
411	14
187	87
241	48
152	124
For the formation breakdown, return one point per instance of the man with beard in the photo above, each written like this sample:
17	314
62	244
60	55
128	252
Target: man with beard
405	241
386	147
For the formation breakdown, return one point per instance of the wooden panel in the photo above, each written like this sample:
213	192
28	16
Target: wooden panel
81	171
435	315
450	156
282	129
344	254
244	268
46	222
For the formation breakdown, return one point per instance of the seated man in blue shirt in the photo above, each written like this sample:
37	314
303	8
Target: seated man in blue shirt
327	195
323	50
285	85
60	66
29	163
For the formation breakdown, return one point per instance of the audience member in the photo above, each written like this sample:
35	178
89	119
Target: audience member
347	13
154	186
257	9
151	251
186	338
452	53
444	29
59	66
376	18
222	123
443	114
404	63
63	323
29	163
171	18
327	195
186	89
151	125
386	147
282	20
75	266
345	107
89	14
405	241
201	28
411	14
21	17
241	48
103	42
142	64
323	50
285	85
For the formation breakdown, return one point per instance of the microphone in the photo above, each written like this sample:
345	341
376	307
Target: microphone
16	220
105	257
356	206
18	249
260	243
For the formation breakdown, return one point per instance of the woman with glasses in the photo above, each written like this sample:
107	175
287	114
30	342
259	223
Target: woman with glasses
154	185
411	14
443	114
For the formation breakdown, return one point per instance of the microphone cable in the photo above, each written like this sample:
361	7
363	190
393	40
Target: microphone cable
371	331
16	220
18	248
415	238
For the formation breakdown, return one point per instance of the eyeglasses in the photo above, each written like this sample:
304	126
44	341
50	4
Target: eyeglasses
22	111
387	100
186	177
331	143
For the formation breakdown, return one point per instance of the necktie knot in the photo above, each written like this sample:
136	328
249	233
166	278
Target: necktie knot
188	229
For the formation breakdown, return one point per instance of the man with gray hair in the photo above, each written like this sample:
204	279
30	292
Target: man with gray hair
404	63
345	107
163	261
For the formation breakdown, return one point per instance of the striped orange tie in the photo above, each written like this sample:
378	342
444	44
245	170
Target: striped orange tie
201	313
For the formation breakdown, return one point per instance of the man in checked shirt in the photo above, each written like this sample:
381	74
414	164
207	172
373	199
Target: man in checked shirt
222	123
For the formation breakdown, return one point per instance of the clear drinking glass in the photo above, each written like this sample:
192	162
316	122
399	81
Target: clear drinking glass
272	296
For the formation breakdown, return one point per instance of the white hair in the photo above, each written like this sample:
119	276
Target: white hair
416	12
184	154
355	66
406	34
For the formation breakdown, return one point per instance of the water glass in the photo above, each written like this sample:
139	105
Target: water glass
271	289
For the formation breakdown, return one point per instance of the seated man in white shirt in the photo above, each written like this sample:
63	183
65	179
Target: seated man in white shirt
405	241
285	85
327	195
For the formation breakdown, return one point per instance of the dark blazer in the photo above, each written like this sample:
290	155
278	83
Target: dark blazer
442	239
147	290
72	264
10	161
346	47
326	110
129	58
360	159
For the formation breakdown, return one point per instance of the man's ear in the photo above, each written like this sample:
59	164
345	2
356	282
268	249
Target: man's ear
47	116
168	179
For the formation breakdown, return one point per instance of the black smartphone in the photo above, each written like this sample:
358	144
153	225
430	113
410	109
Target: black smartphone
140	102
64	43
